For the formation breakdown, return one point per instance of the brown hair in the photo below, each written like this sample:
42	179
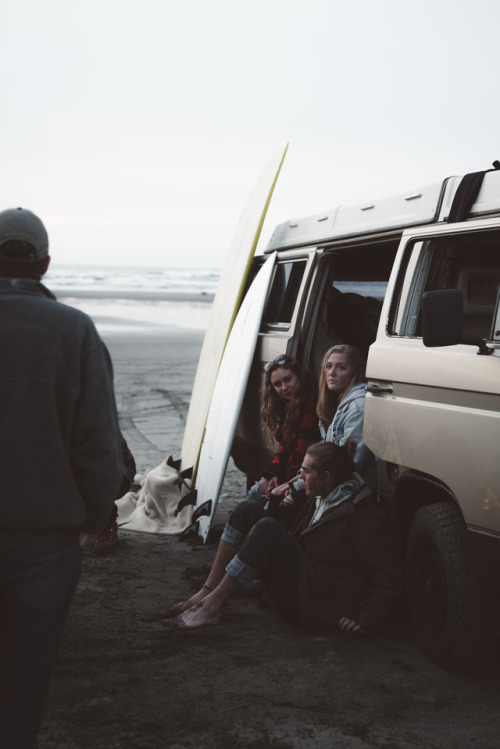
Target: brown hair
328	402
280	416
338	459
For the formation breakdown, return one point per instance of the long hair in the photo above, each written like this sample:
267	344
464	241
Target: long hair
338	459
280	416
328	402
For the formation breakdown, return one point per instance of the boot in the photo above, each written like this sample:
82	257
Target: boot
107	540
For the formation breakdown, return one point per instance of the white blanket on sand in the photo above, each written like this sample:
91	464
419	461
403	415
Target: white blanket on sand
151	509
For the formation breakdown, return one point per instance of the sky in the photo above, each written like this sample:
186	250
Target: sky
136	129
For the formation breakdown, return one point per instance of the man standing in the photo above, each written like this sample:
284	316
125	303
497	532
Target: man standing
60	467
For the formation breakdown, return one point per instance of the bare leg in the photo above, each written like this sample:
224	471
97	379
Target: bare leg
223	556
208	611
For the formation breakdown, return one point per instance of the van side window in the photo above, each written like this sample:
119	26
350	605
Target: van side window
348	305
283	294
469	262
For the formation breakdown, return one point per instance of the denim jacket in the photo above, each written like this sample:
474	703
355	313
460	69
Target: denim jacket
347	424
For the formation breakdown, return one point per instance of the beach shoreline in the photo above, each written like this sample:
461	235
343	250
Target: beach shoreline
141	312
147	295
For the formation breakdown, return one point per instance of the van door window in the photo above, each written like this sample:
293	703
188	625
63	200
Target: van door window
281	300
348	301
469	262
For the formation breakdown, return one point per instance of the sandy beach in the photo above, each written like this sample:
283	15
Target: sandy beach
124	682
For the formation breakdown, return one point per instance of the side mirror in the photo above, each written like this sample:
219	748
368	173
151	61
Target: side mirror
443	321
442	317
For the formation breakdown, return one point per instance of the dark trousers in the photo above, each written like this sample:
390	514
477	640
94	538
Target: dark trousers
39	571
273	554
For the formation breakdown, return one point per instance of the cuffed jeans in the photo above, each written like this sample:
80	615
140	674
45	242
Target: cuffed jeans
39	571
266	551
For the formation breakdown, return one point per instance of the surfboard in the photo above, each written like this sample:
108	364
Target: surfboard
224	309
227	399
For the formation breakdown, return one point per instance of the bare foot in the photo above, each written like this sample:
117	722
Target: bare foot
179	608
200	615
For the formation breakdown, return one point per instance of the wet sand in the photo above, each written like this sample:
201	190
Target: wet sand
124	682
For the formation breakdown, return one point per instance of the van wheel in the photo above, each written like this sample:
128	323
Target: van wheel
449	603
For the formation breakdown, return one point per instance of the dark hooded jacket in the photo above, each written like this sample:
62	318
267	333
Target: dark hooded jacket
350	562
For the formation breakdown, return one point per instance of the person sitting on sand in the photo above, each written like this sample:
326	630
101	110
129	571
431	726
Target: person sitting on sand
337	567
288	411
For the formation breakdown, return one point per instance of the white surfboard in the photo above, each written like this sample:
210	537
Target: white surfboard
224	309
228	395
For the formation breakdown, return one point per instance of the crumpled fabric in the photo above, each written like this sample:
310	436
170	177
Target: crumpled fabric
151	509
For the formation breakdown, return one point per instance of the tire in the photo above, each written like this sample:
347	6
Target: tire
451	607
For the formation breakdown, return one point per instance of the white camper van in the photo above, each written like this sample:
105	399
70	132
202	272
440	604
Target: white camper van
418	293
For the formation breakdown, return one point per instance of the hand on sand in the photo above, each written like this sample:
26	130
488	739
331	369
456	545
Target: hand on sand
349	625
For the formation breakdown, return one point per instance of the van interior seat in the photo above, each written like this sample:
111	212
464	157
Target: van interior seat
480	287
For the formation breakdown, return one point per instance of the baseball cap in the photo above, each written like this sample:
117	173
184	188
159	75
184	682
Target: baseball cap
23	237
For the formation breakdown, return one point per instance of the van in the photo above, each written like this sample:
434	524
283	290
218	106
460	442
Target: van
414	282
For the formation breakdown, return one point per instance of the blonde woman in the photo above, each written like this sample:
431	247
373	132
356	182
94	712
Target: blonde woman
341	410
341	405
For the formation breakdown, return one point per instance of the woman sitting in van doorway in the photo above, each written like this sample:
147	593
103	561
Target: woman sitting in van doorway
288	411
341	409
341	405
337	567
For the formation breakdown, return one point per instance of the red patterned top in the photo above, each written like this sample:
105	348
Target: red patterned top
287	461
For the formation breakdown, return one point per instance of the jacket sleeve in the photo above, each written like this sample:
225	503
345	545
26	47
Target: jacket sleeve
377	545
96	459
353	430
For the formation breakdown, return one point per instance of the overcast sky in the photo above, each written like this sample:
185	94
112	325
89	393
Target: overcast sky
137	128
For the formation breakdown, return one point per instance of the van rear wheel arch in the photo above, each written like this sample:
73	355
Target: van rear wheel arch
449	602
416	490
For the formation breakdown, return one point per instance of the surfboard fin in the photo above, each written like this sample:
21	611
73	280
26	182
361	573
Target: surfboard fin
186	473
204	509
187	499
191	530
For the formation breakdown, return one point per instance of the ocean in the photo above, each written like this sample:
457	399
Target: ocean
147	280
123	300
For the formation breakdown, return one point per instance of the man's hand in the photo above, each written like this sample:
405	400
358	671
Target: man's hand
262	486
287	500
272	485
349	625
285	488
281	489
82	539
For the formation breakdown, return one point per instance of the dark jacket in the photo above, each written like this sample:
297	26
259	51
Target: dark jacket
349	563
60	461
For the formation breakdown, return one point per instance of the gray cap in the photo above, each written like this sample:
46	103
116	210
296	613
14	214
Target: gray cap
22	227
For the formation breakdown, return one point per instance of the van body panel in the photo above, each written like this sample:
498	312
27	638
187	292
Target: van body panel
441	440
411	208
444	371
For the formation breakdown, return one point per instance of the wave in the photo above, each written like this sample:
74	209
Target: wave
196	280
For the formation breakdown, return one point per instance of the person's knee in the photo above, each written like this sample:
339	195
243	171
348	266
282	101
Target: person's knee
245	515
267	527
